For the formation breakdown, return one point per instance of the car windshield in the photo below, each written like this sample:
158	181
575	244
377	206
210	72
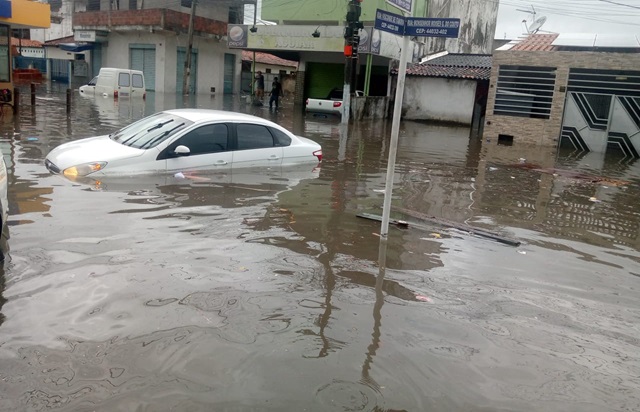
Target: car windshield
150	131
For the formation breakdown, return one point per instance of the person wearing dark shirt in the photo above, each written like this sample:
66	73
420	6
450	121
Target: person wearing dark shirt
276	92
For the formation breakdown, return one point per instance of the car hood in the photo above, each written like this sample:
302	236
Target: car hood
92	149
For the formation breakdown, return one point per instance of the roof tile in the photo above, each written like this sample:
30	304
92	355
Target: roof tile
537	42
25	42
266	58
460	66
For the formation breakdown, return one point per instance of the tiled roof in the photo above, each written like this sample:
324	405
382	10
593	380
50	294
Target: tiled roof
55	42
476	73
25	42
266	58
463	60
460	66
536	42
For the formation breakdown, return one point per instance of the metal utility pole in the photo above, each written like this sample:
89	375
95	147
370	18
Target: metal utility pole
351	43
187	60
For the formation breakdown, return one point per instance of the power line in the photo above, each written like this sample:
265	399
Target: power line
620	4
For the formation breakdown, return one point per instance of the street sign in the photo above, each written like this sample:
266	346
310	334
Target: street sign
389	22
404	5
430	27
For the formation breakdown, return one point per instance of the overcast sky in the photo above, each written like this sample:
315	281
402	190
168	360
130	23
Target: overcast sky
569	16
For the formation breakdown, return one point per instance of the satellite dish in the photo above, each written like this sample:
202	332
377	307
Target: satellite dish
536	25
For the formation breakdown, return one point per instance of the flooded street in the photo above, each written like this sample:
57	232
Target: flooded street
265	291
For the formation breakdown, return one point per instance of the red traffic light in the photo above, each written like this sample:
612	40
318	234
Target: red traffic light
348	50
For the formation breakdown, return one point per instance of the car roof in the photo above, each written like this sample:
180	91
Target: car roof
199	115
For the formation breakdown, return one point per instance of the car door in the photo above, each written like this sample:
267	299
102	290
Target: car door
137	85
255	147
124	84
208	150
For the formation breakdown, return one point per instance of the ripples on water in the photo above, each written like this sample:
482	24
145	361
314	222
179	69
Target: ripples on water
262	291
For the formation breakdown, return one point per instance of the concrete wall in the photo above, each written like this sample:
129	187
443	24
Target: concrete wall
57	30
478	21
53	52
372	107
210	59
546	132
437	99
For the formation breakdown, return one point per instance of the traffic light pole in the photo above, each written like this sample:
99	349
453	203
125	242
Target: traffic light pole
351	43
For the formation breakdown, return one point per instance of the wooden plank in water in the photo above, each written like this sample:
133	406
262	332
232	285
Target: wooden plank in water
460	226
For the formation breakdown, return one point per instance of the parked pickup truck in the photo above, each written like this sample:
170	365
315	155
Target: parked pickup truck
332	104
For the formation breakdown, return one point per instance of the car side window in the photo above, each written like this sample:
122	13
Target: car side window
124	80
281	139
137	80
253	136
211	138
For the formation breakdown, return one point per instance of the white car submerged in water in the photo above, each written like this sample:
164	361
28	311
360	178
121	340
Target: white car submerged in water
184	140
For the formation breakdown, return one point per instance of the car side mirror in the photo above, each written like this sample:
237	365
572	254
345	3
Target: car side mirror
182	151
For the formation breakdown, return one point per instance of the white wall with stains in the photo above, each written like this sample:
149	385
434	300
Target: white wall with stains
439	99
478	21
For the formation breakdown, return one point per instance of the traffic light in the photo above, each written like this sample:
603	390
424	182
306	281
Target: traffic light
355	42
348	32
354	12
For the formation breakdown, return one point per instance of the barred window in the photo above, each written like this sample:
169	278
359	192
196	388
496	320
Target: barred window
525	91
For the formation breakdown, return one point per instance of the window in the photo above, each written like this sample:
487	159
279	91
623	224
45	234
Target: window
137	80
93	5
124	80
604	82
253	136
525	91
211	138
150	131
267	70
5	54
281	139
93	81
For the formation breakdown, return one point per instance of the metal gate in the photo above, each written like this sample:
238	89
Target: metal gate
143	57
182	55
602	111
59	70
229	72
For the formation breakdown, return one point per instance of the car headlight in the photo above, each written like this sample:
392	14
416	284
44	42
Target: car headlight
84	169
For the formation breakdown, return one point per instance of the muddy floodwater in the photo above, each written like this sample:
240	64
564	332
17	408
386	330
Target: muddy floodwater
265	291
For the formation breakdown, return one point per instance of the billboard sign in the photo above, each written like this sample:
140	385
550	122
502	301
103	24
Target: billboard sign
238	36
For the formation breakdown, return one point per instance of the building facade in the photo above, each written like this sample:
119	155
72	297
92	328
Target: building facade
322	65
153	36
549	91
16	14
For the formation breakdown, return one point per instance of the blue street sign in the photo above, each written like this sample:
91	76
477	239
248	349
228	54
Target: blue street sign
430	27
389	22
404	5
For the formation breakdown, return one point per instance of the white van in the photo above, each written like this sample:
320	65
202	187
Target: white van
116	83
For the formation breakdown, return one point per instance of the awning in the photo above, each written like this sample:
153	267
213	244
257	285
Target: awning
76	47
